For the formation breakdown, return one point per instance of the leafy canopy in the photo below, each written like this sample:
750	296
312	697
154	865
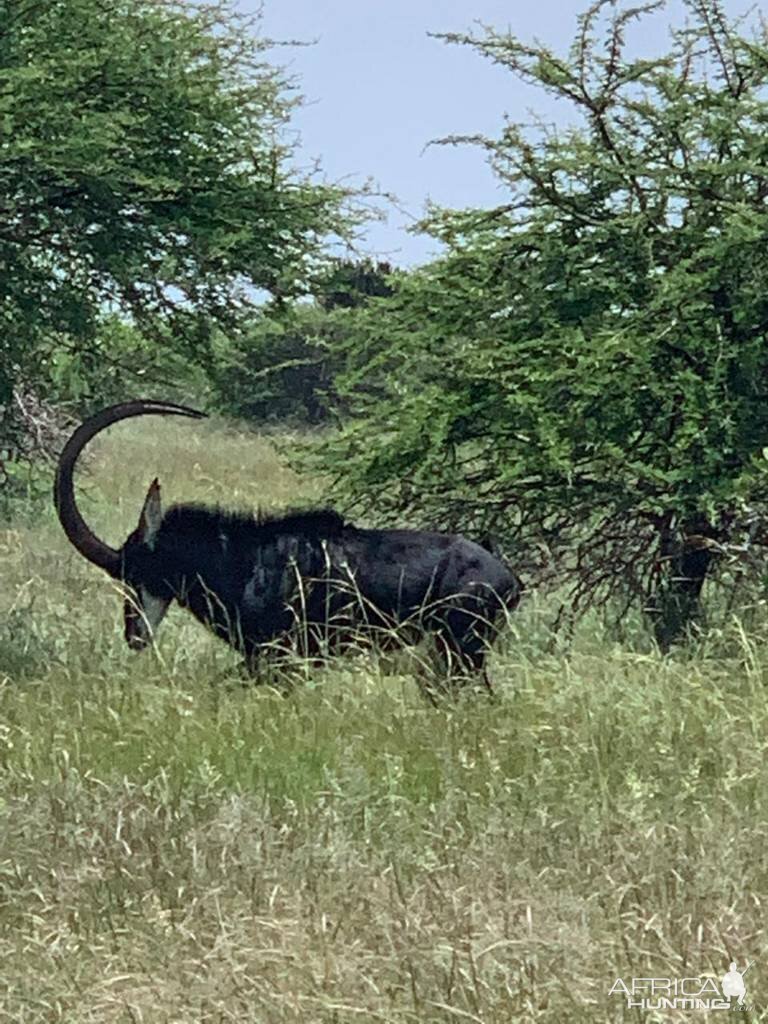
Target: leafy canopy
585	371
284	365
142	173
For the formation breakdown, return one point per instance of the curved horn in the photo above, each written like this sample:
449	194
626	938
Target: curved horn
75	527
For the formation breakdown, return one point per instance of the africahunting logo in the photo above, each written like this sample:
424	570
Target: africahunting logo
692	993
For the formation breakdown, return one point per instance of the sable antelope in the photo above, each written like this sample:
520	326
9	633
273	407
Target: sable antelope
308	578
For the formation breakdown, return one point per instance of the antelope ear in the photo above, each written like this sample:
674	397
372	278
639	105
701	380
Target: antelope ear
151	514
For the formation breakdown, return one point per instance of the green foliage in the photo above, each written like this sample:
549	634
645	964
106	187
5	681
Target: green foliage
121	361
141	171
25	488
285	365
279	369
585	371
350	283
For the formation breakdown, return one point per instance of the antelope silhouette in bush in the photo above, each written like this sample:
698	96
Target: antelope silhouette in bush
307	581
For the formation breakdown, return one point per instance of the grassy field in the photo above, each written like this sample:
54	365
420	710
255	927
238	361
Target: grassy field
178	848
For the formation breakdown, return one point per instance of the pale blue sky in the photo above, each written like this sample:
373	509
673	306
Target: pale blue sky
378	89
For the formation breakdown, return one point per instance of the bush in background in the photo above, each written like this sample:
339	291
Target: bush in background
286	363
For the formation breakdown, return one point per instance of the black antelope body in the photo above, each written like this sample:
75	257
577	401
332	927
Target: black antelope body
310	579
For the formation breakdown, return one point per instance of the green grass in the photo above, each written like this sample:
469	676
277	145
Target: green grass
176	847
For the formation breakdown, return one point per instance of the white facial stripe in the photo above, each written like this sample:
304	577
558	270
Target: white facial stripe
153	609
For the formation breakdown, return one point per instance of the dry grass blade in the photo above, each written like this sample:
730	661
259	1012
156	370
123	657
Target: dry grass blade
175	851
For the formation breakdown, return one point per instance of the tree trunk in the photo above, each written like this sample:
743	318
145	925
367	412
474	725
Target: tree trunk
676	604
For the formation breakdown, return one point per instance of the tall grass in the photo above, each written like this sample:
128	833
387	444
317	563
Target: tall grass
176	847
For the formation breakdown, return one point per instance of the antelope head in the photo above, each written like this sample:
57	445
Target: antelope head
147	592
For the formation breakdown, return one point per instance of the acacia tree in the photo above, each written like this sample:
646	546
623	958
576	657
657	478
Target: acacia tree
284	365
585	371
142	174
